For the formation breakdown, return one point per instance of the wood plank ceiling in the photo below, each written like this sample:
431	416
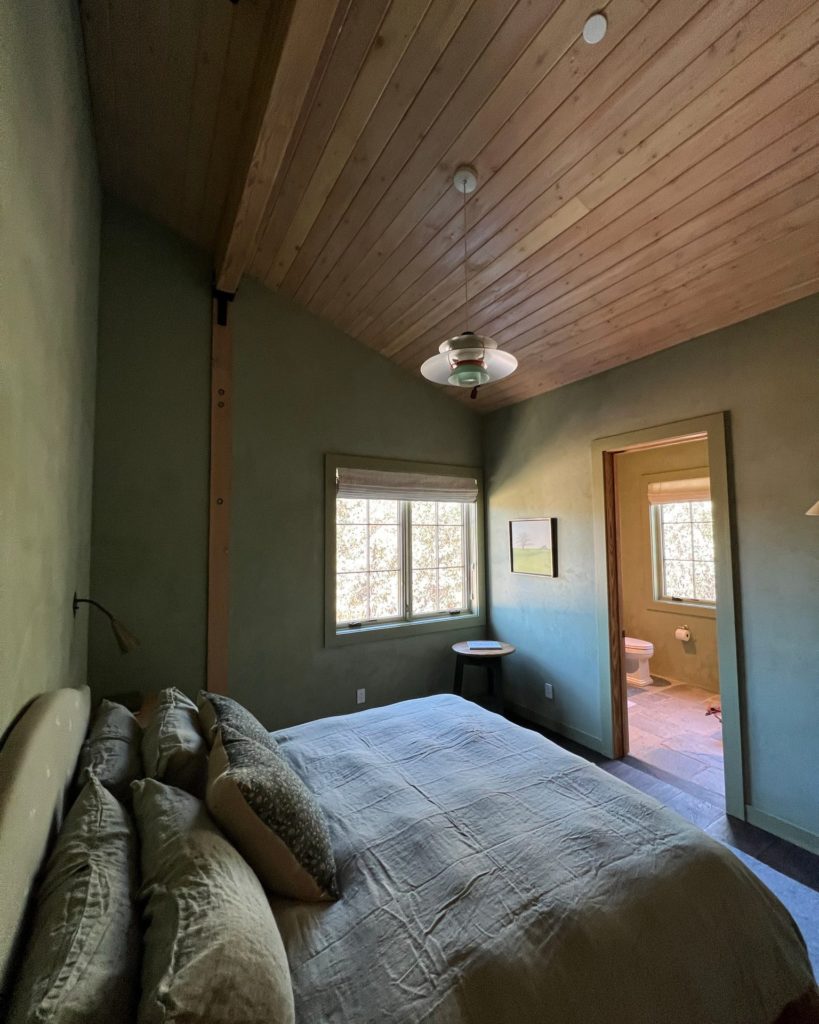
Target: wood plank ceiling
632	194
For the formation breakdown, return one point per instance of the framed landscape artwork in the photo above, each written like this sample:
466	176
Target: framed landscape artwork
533	546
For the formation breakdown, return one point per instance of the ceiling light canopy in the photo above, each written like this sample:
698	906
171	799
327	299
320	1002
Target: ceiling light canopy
468	360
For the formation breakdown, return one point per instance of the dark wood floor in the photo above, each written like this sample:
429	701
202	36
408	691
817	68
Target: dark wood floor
702	808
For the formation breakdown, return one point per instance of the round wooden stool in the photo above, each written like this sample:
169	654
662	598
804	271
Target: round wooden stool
489	659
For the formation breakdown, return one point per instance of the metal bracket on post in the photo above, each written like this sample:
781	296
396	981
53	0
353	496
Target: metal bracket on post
222	299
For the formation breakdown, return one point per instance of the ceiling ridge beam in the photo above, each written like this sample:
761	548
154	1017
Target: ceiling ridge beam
297	41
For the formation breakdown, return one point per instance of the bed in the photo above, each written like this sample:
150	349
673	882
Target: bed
488	876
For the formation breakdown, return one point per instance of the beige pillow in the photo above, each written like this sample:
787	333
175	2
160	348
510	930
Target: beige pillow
112	751
81	963
272	817
212	951
173	747
216	710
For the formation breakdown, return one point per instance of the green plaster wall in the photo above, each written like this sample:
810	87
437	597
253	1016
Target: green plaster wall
49	243
765	372
151	456
301	388
693	662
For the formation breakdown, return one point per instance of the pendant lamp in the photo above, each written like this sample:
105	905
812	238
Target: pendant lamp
468	360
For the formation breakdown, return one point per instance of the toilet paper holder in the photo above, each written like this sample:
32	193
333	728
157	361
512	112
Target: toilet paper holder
682	633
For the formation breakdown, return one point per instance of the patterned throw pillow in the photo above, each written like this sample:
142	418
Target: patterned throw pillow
216	710
112	751
272	817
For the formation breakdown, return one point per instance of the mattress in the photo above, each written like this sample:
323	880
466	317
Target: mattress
487	875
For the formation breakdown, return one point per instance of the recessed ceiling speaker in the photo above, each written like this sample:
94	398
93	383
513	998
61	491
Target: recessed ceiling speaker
595	28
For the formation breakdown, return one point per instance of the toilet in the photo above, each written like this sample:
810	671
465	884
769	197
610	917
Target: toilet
638	653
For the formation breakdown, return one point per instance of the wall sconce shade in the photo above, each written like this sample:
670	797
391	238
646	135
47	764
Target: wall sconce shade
126	641
813	510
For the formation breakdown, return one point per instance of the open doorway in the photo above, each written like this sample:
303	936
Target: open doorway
668	610
670	699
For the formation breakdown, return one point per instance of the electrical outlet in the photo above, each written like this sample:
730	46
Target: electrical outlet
548	691
360	696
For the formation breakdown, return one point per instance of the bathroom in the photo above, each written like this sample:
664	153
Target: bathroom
669	613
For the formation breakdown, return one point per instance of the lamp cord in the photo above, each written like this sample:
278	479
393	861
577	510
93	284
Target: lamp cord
466	272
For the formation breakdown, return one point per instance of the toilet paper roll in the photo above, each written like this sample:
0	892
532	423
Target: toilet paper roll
683	633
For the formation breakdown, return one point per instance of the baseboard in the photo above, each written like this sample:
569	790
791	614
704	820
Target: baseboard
584	738
783	829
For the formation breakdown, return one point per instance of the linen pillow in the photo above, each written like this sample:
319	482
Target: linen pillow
272	817
216	710
82	961
173	748
112	751
212	951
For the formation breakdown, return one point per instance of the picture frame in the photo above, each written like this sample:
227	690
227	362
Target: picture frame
533	546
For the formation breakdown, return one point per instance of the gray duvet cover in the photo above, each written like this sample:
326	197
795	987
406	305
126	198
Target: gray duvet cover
487	875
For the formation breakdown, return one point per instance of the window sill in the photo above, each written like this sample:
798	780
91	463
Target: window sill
398	630
694	611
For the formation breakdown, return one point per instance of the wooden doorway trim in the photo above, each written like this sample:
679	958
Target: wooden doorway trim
614	720
619	715
221	445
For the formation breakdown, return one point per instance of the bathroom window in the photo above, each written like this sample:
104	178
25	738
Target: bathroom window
683	542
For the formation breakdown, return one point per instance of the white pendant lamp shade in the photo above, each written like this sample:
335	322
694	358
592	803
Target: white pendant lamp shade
467	361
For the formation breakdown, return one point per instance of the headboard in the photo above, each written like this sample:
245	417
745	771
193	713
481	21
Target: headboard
37	763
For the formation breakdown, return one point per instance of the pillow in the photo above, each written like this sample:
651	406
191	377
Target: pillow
272	817
112	751
173	748
216	710
212	950
82	961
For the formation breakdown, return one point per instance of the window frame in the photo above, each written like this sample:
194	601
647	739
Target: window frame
390	629
658	594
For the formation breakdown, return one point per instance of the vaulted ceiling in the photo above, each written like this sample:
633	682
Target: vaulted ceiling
632	194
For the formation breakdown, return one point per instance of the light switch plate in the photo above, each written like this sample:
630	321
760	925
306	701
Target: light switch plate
360	696
548	691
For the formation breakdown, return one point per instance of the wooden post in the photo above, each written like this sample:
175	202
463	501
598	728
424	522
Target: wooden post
221	395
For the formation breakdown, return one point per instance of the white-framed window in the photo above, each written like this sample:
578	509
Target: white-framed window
403	548
682	533
402	560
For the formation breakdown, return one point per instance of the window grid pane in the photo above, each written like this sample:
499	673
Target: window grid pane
686	551
367	560
438	557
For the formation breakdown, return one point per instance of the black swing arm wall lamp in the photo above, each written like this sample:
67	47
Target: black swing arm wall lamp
126	641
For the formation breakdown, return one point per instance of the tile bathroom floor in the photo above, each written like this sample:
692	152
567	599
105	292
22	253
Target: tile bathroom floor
669	730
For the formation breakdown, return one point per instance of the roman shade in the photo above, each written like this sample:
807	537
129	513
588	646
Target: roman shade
666	491
402	486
